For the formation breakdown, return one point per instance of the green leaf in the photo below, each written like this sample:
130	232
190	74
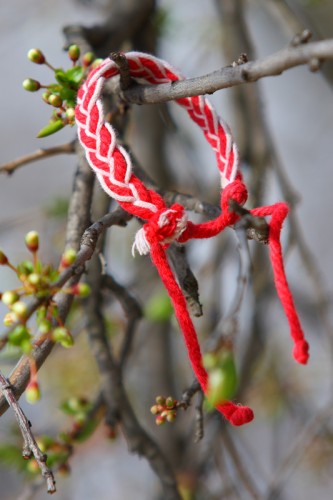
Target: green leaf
75	74
25	267
11	455
222	380
51	128
87	430
61	76
68	95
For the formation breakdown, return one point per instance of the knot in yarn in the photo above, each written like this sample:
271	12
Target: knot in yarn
236	191
164	227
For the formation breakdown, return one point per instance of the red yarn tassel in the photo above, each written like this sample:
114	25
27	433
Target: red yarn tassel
279	212
236	414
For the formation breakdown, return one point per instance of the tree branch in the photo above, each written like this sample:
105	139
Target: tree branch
229	76
30	446
8	168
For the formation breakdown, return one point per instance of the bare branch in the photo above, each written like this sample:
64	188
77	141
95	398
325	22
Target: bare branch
30	446
229	76
132	310
40	154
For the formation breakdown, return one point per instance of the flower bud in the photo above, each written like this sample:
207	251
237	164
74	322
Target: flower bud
62	336
70	114
3	259
68	257
32	466
32	241
169	402
74	52
160	400
154	410
20	309
159	420
45	97
44	326
171	416
36	56
55	100
9	298
34	279
10	318
32	392
88	58
19	335
31	85
96	63
81	290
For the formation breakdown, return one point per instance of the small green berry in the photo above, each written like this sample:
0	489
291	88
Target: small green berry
36	56
32	241
31	85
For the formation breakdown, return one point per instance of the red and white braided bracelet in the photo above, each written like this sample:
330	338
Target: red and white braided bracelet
113	167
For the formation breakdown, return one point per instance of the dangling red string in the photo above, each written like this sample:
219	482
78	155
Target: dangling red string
164	225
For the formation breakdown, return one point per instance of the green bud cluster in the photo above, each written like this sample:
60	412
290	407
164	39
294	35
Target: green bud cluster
39	281
61	94
165	410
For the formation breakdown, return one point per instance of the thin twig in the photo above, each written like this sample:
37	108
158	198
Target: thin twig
40	154
229	76
132	310
124	70
30	446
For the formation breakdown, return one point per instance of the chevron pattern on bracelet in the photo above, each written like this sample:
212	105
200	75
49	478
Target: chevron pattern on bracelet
112	164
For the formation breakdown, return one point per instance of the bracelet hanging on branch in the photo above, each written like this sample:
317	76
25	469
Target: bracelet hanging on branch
113	167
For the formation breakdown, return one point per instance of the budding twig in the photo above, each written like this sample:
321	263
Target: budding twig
30	446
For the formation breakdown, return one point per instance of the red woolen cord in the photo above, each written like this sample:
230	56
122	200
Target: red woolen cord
113	167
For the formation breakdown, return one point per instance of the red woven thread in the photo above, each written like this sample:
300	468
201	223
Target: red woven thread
113	168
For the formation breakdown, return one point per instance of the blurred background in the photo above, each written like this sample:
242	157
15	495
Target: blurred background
283	126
